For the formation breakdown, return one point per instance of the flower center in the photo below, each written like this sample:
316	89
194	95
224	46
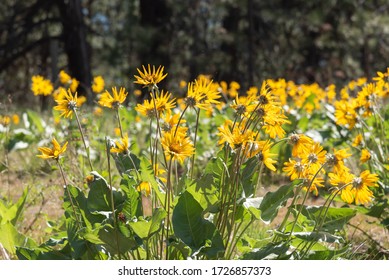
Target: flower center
312	158
72	105
357	182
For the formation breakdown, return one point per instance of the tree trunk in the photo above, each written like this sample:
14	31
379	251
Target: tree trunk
76	45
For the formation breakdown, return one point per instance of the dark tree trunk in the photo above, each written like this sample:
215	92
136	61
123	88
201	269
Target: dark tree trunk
75	43
250	62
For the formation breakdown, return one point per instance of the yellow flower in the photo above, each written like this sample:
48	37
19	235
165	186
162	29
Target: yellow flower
137	92
114	100
67	103
235	138
5	120
335	160
170	123
381	77
64	77
345	113
195	98
300	142
164	102
357	141
145	188
265	156
98	84
41	86
97	111
15	119
233	90
74	85
314	158
360	187
177	147
365	155
54	153
183	84
117	131
294	169
121	147
146	109
313	183
150	78
202	93
205	85
243	106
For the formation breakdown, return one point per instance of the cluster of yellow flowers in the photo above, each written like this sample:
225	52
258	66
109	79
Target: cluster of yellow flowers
6	120
260	116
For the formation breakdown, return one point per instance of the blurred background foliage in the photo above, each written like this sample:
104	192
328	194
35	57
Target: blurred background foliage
331	41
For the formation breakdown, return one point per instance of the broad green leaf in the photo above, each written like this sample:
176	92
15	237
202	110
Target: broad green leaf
12	213
270	251
145	229
126	162
327	254
205	193
108	236
92	236
335	219
178	250
273	201
10	238
81	207
99	194
99	197
195	231
248	171
253	205
132	206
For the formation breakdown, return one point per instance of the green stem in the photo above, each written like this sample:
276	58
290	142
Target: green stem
236	239
120	122
169	193
320	219
83	139
111	192
194	142
179	120
305	198
68	192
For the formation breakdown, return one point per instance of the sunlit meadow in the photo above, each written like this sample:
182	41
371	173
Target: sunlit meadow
280	171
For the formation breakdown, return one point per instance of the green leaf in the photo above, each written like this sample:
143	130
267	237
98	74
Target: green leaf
195	231
248	170
132	206
108	236
126	162
145	229
335	219
99	197
273	201
253	206
10	238
81	207
12	213
99	194
36	121
320	236
205	193
327	254
271	249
